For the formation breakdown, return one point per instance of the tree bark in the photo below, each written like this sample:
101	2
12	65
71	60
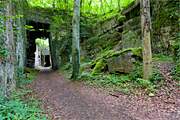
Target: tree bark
75	40
146	38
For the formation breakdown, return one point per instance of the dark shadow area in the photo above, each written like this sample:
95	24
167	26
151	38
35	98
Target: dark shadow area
39	30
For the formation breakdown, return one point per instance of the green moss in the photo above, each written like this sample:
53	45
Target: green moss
100	62
85	67
100	65
113	53
135	51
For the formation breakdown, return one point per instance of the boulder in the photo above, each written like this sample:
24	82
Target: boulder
117	61
121	64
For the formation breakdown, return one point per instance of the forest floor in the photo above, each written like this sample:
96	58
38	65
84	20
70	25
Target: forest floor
69	100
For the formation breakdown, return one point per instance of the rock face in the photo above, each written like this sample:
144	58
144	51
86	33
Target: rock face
7	65
11	46
121	64
131	35
20	35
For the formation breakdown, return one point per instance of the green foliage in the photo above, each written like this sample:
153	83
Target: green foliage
149	85
30	28
42	43
16	109
25	76
100	65
2	18
121	83
156	76
137	71
105	80
176	72
3	52
144	83
176	69
161	57
129	82
21	105
176	48
164	18
88	7
112	53
86	66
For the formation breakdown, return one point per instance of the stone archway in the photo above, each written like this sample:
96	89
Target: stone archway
37	30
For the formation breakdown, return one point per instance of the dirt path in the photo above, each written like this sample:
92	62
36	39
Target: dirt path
67	100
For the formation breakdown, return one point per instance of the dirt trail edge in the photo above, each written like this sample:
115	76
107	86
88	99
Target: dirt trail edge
67	100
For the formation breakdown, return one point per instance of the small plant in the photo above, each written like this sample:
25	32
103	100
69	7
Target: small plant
26	76
143	83
176	72
137	71
146	84
3	52
176	49
16	109
156	76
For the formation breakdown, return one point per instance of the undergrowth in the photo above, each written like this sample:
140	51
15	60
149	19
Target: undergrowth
21	105
126	83
176	73
176	70
162	58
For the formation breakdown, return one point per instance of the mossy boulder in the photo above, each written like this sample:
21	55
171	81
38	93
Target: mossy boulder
117	61
121	64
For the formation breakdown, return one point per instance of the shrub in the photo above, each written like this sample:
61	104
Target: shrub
16	109
176	48
156	76
137	71
143	83
176	72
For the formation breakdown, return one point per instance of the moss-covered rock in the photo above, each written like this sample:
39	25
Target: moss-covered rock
112	53
100	65
121	64
117	61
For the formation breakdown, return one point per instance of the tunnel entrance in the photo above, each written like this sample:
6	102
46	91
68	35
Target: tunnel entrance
37	30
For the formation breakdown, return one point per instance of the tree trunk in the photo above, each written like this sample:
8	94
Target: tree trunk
53	50
146	37
75	40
